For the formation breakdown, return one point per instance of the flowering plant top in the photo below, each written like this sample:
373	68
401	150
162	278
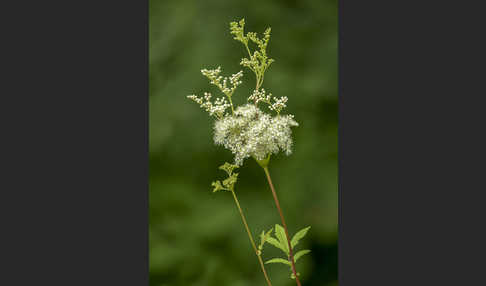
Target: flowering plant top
248	131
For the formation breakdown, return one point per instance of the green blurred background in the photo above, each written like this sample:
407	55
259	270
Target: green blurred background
196	237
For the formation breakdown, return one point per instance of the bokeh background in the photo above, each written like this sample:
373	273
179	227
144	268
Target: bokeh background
196	237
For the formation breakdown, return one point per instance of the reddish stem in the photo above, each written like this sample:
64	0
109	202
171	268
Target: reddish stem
291	255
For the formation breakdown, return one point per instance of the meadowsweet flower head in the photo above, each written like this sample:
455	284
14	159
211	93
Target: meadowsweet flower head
248	131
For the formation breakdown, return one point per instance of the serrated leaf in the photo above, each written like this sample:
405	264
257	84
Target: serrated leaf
217	186
276	243
278	260
230	181
280	234
300	253
228	168
298	236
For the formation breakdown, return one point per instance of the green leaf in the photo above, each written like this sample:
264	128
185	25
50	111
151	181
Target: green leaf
280	234
230	181
300	253
267	235
217	186
262	238
298	236
276	243
278	260
228	168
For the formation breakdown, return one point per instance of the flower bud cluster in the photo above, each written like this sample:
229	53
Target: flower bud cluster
222	82
279	104
217	108
260	96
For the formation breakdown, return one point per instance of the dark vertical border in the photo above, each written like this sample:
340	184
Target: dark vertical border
74	202
411	158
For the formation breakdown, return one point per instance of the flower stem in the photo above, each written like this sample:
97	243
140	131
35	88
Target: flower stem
251	238
291	255
231	104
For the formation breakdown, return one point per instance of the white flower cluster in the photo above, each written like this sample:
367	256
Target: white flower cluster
279	104
222	82
250	132
217	108
260	96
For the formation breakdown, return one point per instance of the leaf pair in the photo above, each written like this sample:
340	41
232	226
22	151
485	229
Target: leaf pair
282	243
298	255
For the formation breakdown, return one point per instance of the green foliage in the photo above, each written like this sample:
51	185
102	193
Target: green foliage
278	260
298	236
282	244
228	168
228	183
277	244
264	238
282	239
300	253
217	186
